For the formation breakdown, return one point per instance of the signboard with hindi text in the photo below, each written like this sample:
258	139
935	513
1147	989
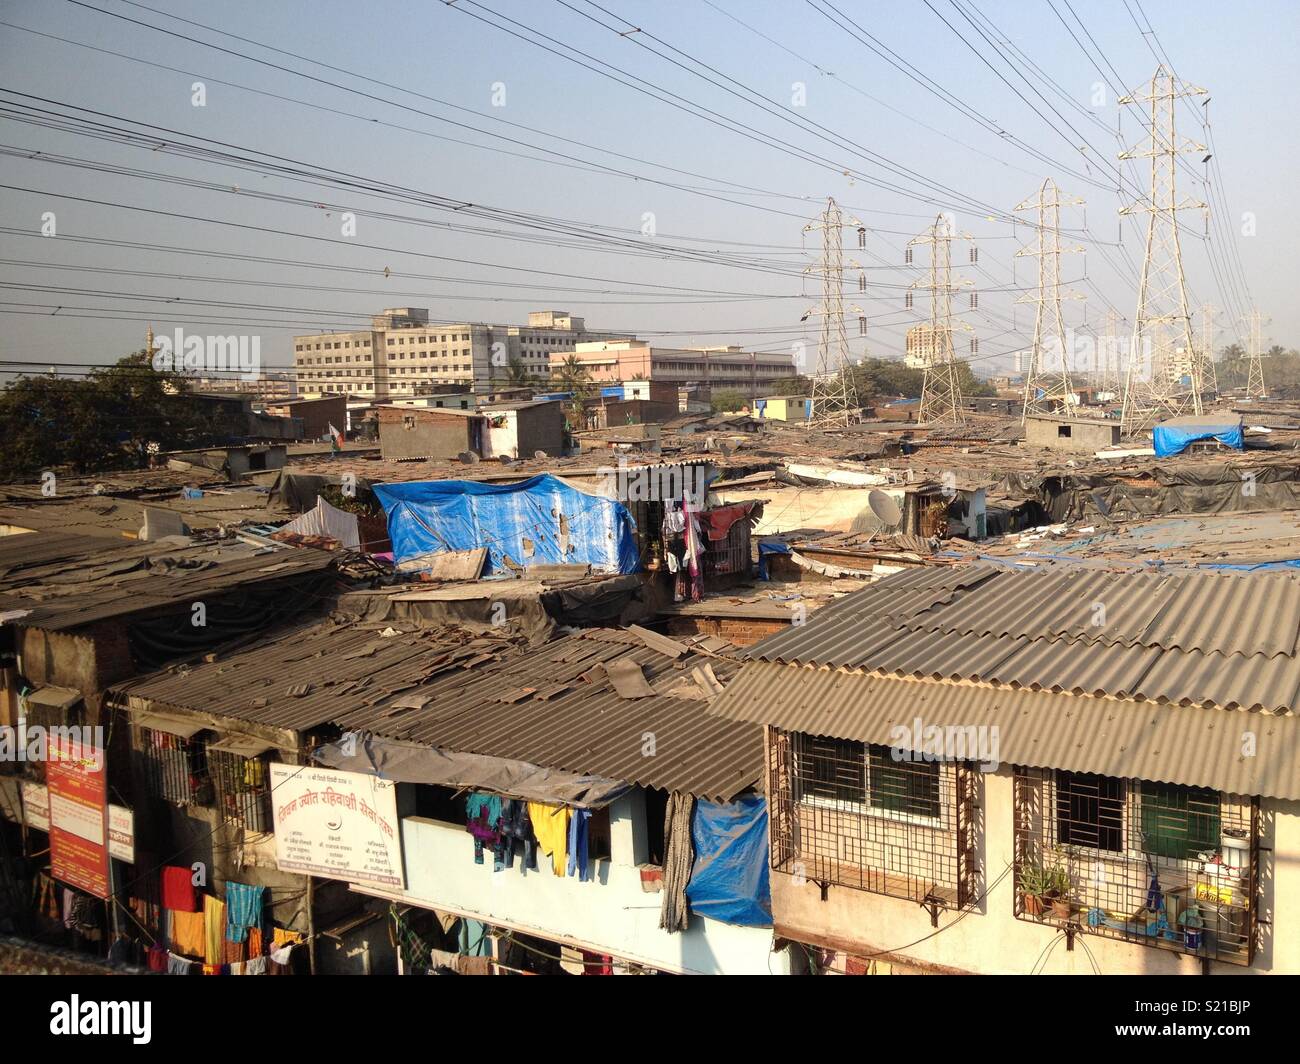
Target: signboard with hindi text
338	824
78	812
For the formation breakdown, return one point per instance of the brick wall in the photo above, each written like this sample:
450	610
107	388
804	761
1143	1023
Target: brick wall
742	632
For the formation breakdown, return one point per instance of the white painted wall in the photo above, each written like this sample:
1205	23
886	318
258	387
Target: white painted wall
610	914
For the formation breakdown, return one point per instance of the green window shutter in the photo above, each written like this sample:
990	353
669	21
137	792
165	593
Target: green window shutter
908	787
1179	822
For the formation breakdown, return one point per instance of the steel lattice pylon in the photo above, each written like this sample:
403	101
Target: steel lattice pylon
1047	391
834	398
1209	373
1162	326
1255	372
941	399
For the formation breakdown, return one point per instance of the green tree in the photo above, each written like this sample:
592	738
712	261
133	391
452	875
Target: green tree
572	376
728	400
109	420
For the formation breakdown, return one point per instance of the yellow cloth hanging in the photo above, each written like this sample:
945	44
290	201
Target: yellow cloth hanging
253	773
214	910
188	933
551	826
281	938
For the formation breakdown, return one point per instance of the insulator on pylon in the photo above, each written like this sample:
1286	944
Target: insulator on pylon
862	237
908	300
907	257
862	282
974	254
862	326
974	300
974	345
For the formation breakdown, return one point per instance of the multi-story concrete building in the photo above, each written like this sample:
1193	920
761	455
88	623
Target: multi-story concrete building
405	354
269	387
921	346
717	367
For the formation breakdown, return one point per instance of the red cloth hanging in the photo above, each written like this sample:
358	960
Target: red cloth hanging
178	890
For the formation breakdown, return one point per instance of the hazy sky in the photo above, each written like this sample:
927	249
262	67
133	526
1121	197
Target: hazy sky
462	112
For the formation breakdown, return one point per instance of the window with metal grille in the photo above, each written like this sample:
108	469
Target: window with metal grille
1090	810
174	768
1166	866
243	786
848	813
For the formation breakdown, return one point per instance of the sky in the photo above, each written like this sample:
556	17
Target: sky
272	169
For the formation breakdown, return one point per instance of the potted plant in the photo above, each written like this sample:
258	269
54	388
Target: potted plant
1056	888
1033	883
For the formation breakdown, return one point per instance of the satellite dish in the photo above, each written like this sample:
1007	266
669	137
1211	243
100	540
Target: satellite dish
885	508
467	457
726	448
540	454
505	459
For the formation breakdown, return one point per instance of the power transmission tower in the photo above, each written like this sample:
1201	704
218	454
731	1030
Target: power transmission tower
1209	374
1255	376
941	400
1112	378
1048	388
1162	325
834	398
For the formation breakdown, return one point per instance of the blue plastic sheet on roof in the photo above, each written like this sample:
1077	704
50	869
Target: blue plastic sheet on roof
1173	437
729	880
767	547
561	524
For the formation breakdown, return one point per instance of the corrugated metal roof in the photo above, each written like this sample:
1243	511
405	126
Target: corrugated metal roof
1190	637
1188	745
552	705
111	580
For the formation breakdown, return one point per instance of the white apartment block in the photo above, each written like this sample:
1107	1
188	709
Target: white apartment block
403	353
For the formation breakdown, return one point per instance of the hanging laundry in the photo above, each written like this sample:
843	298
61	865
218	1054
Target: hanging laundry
255	966
178	890
214	912
579	821
551	826
516	838
281	937
157	959
243	909
255	945
483	819
188	933
180	965
718	521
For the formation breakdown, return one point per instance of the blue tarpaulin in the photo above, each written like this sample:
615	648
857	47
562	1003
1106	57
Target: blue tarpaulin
1173	437
766	547
729	880
541	520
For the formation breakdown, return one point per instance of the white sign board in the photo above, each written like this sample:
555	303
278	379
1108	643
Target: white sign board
36	805
338	824
121	833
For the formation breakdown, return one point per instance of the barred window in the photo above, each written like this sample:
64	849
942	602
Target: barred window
845	812
1090	810
1167	866
243	784
174	767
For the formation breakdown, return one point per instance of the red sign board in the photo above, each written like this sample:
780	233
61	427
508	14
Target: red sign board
78	785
